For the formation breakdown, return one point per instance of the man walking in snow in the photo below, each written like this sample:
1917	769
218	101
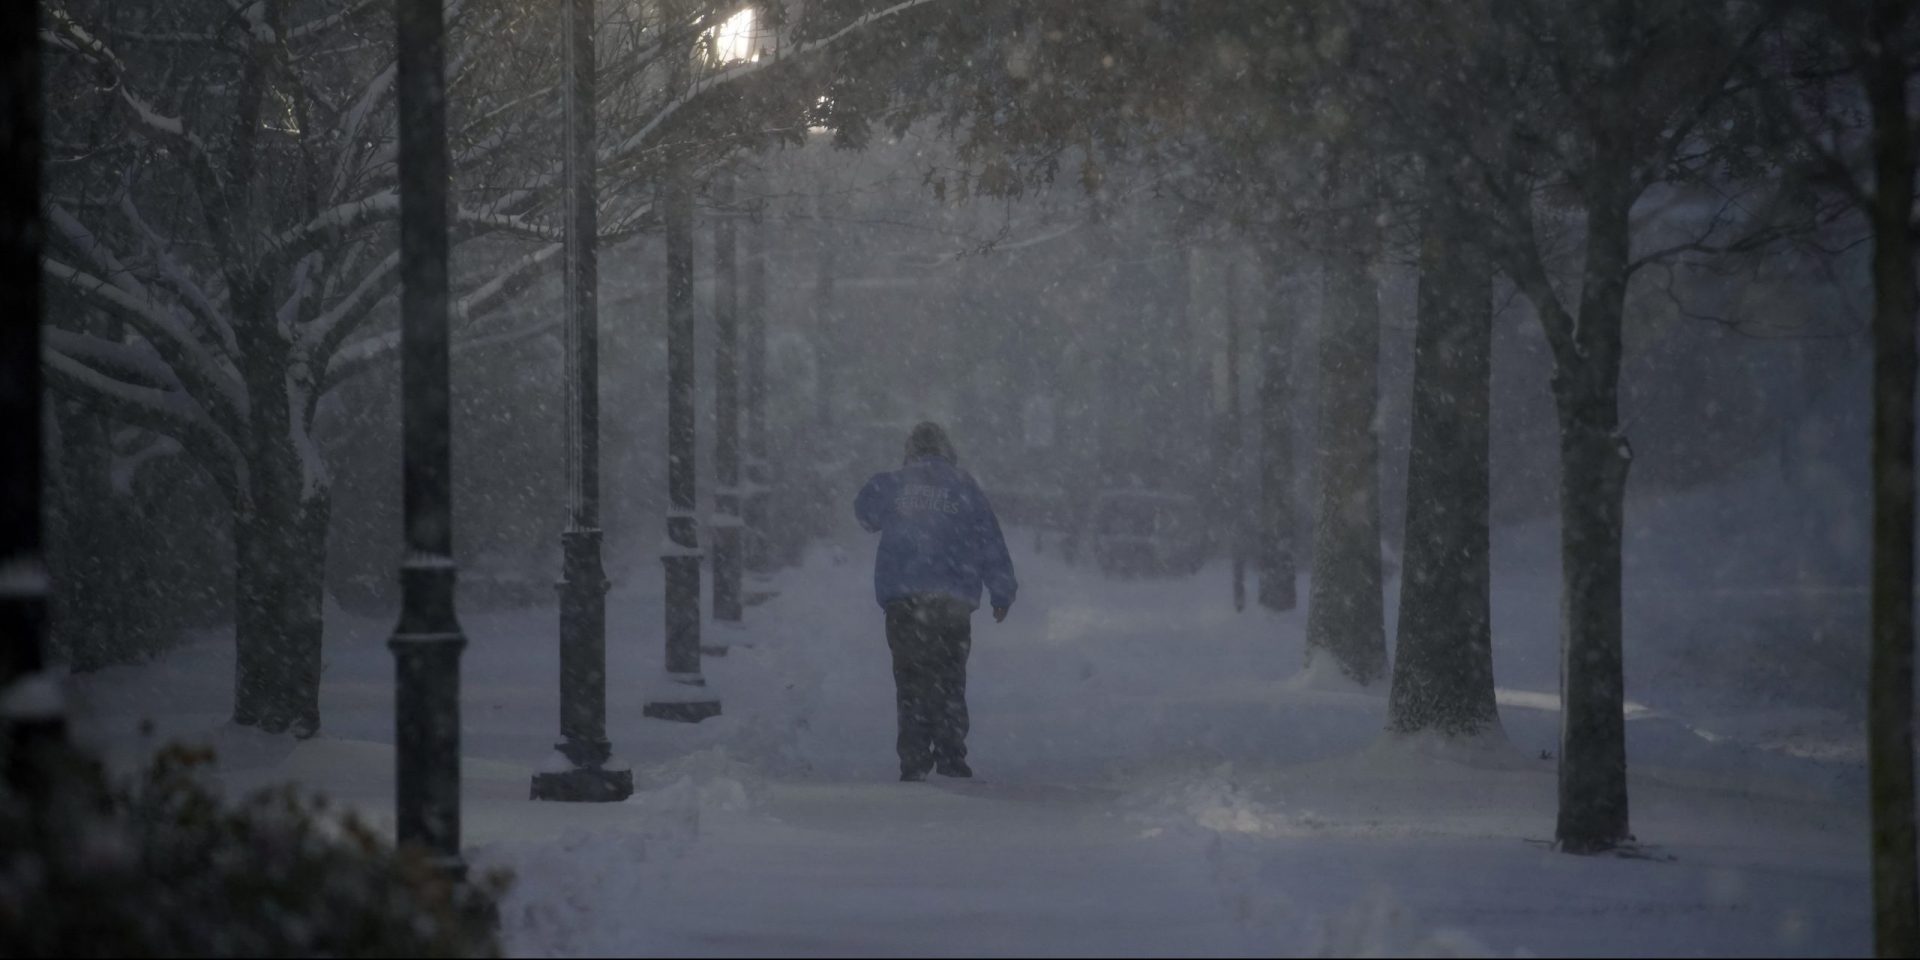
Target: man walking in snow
939	544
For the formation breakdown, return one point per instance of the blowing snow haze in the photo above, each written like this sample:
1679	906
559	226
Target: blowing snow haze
958	477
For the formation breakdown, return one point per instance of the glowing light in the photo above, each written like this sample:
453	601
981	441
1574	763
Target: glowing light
733	40
823	103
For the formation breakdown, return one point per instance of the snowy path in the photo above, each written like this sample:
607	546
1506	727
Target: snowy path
884	870
1156	780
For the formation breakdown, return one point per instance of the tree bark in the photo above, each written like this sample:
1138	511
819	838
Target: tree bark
280	541
1231	470
1594	460
93	621
280	548
1896	900
1443	655
1345	619
79	493
1276	553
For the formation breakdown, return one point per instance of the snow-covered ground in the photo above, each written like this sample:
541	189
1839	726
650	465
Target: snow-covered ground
1156	778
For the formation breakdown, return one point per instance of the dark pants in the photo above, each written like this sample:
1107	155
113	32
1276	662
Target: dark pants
930	636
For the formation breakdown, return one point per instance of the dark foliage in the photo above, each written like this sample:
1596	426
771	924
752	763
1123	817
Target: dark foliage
165	866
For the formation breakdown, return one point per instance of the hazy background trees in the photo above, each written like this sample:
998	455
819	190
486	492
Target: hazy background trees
1518	263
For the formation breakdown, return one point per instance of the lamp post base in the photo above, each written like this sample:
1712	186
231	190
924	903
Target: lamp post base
683	698
681	711
724	637
583	785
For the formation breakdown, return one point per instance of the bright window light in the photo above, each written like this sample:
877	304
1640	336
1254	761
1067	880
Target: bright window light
733	39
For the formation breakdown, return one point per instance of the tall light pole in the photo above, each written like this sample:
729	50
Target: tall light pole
685	696
726	414
825	329
428	642
583	583
30	708
758	555
825	352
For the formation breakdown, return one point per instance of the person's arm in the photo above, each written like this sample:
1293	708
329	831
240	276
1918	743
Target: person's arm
996	566
870	507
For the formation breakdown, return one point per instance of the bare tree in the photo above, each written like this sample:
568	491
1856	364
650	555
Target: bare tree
1443	654
1345	616
1615	97
1837	89
224	188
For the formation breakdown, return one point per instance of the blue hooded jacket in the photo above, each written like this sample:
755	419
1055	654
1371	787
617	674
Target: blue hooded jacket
937	532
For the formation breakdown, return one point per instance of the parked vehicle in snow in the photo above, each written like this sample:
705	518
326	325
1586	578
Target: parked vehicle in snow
1145	532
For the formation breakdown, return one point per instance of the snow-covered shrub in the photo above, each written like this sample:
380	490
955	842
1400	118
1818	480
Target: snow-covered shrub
167	867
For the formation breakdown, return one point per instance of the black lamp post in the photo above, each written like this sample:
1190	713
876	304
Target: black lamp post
726	415
30	706
427	642
685	696
583	585
825	331
757	554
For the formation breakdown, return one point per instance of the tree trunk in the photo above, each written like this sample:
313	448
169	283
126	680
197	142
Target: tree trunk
1276	554
1594	459
1235	526
279	582
1443	656
89	618
1896	904
1345	619
1593	755
280	552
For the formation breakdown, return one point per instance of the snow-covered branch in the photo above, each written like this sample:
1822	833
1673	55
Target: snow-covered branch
68	35
177	281
347	362
505	223
321	25
504	285
210	383
124	362
339	220
331	328
168	412
377	92
334	222
290	314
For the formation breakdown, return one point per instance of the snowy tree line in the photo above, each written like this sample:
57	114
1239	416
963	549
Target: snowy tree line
221	197
1510	138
